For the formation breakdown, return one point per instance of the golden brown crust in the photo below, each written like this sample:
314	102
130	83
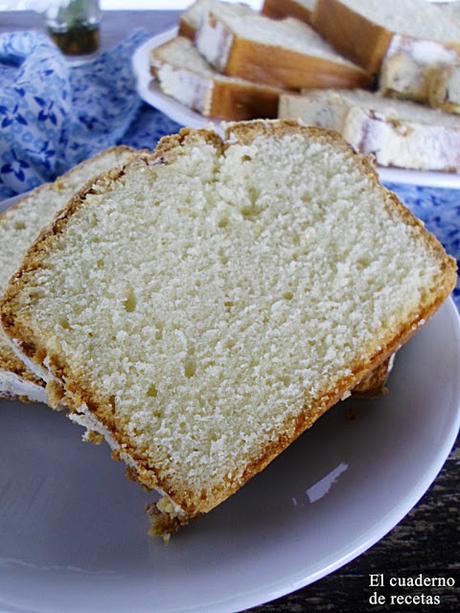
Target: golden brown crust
93	437
170	146
288	69
352	34
76	394
185	29
10	363
235	102
373	384
287	8
162	523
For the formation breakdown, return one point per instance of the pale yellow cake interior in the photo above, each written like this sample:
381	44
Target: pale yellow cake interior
211	299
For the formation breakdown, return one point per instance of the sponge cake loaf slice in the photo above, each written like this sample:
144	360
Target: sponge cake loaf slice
202	329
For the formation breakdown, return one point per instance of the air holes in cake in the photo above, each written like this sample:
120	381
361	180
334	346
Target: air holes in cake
363	263
152	391
64	323
246	158
223	222
100	264
189	366
228	304
209	364
285	380
130	301
230	344
35	294
250	211
19	225
159	331
222	256
288	295
182	427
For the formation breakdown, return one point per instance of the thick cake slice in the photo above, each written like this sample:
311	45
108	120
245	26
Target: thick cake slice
397	133
408	68
19	227
285	53
201	329
367	31
410	64
300	9
184	75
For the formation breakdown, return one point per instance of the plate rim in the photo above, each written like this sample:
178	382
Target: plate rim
176	111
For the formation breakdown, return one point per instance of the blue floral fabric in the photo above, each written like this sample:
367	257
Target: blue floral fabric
53	115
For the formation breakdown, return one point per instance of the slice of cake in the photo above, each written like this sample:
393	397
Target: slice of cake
411	63
191	19
284	53
407	69
19	227
185	76
367	31
202	329
397	133
300	9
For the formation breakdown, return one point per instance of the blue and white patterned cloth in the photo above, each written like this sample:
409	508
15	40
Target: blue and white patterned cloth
53	115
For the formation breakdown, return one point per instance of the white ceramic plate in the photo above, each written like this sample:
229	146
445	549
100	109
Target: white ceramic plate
73	529
150	92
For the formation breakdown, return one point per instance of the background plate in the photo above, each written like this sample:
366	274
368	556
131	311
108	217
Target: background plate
73	530
150	92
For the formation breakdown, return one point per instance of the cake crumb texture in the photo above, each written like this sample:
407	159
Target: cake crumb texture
209	302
